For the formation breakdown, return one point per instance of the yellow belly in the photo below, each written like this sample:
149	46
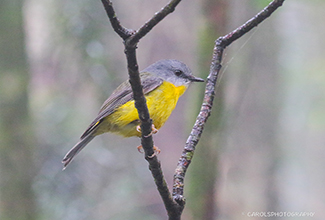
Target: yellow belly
161	102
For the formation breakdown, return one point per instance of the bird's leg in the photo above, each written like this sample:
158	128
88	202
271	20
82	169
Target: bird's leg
139	129
153	130
140	149
156	151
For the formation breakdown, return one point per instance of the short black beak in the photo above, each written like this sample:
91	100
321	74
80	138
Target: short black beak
195	79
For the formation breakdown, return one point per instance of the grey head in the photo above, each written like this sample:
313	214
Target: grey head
173	71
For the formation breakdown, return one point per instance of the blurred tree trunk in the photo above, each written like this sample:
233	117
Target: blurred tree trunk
203	171
16	131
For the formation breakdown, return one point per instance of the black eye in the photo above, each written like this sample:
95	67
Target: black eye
178	72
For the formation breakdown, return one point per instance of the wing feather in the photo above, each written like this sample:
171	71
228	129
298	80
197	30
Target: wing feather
120	96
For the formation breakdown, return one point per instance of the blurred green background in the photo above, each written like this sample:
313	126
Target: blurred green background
262	149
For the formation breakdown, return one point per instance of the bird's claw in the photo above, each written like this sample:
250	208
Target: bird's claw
156	151
153	130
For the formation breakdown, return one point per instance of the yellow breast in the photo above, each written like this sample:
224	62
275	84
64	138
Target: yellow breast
161	102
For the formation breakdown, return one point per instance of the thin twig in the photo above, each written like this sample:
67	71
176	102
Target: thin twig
123	32
144	29
194	137
250	24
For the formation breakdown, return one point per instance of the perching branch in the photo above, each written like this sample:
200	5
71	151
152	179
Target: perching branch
175	205
131	38
194	137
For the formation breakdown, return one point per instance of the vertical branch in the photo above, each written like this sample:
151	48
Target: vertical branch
131	38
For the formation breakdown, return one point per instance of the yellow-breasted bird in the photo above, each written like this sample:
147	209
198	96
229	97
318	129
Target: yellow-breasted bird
163	83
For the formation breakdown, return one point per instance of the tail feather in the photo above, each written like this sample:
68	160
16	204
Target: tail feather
75	150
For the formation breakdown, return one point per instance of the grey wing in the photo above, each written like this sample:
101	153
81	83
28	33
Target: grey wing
120	96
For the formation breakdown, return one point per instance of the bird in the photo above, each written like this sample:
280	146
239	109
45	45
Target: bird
163	82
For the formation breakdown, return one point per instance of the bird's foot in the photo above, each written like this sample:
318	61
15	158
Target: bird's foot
153	130
156	151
